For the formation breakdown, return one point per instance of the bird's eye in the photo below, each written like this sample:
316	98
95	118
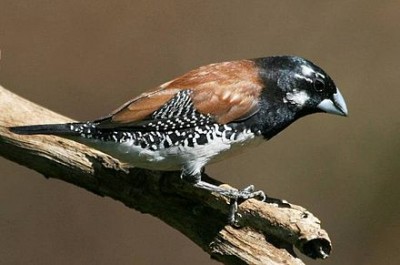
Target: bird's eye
319	85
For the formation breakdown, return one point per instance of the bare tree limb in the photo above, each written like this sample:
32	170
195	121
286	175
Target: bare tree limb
266	232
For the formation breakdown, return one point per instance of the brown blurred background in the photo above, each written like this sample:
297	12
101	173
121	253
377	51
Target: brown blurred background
84	58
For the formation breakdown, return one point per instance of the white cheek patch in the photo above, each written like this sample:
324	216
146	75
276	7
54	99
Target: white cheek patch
298	98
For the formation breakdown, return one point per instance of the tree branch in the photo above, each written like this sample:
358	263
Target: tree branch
266	232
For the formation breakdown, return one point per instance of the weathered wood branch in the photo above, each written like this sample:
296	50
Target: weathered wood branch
266	232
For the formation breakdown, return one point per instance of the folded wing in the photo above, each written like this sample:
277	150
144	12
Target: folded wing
224	91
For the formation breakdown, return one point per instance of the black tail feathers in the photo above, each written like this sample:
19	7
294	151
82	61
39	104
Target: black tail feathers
54	129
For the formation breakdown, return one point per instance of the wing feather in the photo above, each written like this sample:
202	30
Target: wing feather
227	91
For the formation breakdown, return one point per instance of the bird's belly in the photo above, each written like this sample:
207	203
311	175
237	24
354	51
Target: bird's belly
178	156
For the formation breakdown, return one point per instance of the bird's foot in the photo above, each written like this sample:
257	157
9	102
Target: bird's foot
250	193
242	195
235	196
238	195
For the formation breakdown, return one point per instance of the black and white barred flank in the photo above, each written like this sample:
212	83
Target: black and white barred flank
177	123
155	140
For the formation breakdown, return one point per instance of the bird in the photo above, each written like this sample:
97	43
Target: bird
206	115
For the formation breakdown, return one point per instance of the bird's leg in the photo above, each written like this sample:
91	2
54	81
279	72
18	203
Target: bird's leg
233	195
244	194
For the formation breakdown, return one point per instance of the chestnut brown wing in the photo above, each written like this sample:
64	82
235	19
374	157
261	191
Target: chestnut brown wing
227	91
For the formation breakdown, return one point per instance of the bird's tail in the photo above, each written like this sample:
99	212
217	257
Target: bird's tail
66	129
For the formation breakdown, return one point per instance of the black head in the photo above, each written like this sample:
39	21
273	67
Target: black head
296	87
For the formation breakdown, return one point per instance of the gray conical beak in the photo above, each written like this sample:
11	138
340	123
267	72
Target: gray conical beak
335	105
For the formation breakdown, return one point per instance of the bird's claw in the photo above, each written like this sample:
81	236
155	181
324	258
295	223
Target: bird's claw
242	195
249	193
235	196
